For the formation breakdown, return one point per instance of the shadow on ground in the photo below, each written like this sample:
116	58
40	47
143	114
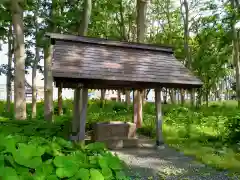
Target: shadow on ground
165	163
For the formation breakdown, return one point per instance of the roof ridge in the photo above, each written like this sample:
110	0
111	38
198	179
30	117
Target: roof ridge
108	42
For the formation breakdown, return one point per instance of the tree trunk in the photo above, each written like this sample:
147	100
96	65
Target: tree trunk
141	28
199	98
172	94
19	78
86	18
128	99
34	86
60	88
185	16
9	70
34	68
236	55
119	95
82	28
182	94
206	97
227	90
48	79
141	20
192	93
164	90
125	38
103	92
48	83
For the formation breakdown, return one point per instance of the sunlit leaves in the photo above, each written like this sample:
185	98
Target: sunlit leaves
211	52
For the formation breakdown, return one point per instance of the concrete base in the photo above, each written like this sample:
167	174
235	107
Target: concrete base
113	129
115	134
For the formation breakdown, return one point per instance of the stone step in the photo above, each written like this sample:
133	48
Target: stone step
119	143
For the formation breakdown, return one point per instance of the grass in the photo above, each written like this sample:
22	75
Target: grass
211	134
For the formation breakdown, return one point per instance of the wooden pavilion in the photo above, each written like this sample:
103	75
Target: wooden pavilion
94	63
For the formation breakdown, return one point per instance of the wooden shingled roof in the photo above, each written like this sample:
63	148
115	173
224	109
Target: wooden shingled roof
101	63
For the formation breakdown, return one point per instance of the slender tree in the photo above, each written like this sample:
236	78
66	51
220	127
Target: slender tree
235	50
141	28
9	69
48	79
35	62
19	55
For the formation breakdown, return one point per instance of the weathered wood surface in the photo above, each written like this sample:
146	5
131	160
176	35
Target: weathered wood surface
158	105
83	115
105	42
76	112
103	60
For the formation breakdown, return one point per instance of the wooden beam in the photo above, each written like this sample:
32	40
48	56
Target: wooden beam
158	105
112	84
83	114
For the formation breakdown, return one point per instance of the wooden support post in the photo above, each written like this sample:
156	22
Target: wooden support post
60	110
159	133
135	106
83	114
76	113
81	102
139	109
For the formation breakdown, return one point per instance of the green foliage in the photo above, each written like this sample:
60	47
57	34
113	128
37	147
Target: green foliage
209	133
39	158
37	150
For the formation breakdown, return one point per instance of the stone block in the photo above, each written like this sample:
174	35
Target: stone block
114	129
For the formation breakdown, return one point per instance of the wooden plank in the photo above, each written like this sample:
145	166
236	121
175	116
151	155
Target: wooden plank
114	56
167	73
124	68
158	105
120	74
83	114
99	54
110	63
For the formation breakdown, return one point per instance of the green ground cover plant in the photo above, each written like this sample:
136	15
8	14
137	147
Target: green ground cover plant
38	150
211	134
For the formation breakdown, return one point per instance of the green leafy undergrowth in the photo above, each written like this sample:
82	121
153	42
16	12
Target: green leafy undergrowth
37	158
